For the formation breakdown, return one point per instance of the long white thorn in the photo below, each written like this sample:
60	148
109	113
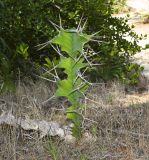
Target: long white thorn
82	28
55	71
78	88
86	59
49	99
55	25
56	50
92	35
85	70
43	45
76	61
47	79
94	40
85	80
79	25
60	20
53	68
55	76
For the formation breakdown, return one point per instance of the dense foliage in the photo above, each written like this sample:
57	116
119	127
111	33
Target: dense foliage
26	24
120	6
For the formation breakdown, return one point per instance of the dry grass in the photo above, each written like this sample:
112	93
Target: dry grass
118	122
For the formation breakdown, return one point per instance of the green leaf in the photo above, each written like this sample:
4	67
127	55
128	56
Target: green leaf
71	66
23	50
71	41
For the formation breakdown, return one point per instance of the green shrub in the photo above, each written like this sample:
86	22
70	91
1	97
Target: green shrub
28	22
120	6
6	74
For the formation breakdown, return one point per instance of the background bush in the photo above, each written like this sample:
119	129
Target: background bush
28	22
120	6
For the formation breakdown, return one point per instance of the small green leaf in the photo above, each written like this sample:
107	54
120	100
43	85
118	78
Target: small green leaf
22	49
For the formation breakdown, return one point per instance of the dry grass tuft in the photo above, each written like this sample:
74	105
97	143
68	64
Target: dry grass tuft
117	121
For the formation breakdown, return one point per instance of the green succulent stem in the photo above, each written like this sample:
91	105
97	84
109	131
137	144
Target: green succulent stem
72	42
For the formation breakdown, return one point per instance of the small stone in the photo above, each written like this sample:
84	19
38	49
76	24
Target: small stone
28	124
69	139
